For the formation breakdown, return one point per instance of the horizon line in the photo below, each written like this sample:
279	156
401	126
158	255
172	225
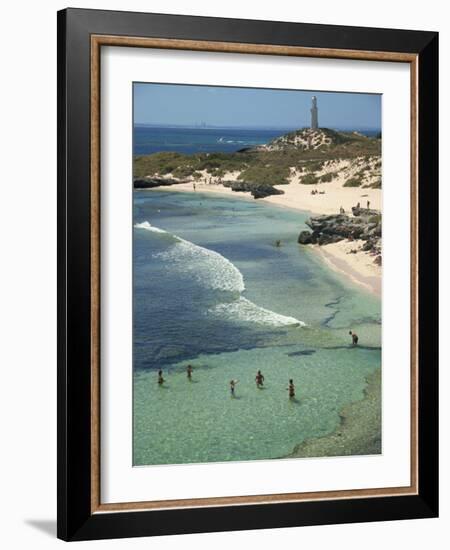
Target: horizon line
246	127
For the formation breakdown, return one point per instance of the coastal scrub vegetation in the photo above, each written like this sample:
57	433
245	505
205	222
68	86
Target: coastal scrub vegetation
375	184
329	176
272	164
314	166
353	182
272	174
309	179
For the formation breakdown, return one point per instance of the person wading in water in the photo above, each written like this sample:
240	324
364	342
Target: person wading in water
189	371
354	338
160	377
233	386
259	378
291	389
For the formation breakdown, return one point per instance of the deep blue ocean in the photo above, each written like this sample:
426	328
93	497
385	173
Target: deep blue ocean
212	289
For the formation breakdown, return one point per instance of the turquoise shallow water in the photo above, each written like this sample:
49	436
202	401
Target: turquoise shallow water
212	290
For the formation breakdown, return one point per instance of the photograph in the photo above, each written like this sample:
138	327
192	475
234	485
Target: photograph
221	275
247	274
257	274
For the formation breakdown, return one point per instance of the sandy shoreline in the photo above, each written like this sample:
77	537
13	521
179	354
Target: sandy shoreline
352	436
358	267
297	196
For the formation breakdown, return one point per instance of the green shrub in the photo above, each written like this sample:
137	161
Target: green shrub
375	184
309	179
314	166
353	182
270	174
328	177
167	169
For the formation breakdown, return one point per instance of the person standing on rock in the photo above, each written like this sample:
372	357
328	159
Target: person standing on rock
368	205
354	338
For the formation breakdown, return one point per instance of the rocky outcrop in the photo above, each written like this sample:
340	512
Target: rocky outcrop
149	183
364	225
258	190
305	237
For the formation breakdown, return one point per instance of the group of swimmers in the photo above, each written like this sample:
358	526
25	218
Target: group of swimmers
259	378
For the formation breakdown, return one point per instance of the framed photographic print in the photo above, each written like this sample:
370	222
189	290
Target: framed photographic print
247	274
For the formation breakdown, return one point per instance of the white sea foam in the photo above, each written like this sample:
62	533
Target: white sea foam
245	310
149	227
215	271
209	267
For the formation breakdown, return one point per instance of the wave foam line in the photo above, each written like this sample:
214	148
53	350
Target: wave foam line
245	310
215	271
149	227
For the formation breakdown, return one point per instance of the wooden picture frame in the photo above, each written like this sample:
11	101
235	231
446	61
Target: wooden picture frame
81	35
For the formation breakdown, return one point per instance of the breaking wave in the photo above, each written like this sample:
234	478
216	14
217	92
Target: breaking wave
216	272
149	227
245	310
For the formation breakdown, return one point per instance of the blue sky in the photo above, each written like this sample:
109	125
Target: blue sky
176	104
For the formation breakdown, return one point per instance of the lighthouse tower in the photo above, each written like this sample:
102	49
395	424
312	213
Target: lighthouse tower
314	114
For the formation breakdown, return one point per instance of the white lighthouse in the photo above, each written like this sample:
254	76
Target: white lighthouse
314	114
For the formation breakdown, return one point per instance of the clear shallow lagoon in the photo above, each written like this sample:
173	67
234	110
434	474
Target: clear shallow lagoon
212	289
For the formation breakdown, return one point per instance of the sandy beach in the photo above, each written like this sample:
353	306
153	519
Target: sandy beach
359	266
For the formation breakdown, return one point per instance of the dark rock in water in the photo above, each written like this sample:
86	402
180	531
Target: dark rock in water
305	237
149	183
302	352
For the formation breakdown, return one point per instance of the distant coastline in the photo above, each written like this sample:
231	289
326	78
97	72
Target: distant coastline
281	129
